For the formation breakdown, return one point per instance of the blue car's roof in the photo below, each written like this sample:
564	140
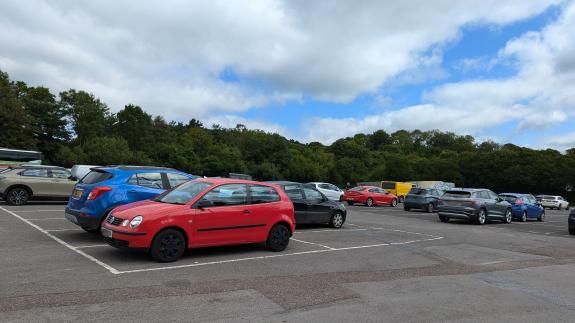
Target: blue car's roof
512	194
139	169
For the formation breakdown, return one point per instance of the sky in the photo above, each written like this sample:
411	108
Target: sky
501	70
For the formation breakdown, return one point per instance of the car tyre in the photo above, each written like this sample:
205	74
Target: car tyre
508	216
559	207
278	238
168	245
17	196
443	219
524	216
350	203
369	202
393	203
337	220
406	208
571	230
481	217
430	208
541	218
91	230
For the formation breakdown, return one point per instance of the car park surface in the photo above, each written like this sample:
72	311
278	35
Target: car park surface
385	264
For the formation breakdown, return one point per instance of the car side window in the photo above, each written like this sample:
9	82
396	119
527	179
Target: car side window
227	195
294	192
333	187
263	194
60	173
35	172
176	179
149	180
312	194
325	186
491	195
374	190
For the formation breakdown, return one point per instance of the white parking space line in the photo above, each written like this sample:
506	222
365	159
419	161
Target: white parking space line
62	230
277	256
64	243
313	243
35	211
43	219
330	230
91	246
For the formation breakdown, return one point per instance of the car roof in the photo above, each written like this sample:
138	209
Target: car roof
223	180
35	166
283	183
513	194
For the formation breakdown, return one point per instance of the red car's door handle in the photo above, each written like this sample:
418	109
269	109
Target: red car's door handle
247	212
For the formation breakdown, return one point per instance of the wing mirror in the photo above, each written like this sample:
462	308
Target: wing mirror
204	204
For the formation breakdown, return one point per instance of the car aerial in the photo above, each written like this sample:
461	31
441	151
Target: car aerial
202	213
422	198
332	192
370	196
399	189
553	202
20	184
474	205
311	206
524	206
105	188
571	221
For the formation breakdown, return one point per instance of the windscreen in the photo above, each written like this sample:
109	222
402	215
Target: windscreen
457	194
508	198
94	177
183	193
418	191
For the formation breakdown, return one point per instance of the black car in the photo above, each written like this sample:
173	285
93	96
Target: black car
422	198
311	206
571	222
474	205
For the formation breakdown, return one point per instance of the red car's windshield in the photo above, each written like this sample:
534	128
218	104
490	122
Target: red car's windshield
183	193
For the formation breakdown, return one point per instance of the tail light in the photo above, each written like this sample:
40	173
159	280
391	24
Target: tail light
97	191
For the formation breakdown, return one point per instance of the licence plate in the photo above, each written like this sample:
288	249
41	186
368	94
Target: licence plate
107	233
77	194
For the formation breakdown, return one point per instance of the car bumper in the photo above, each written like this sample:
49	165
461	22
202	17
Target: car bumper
459	213
125	239
81	219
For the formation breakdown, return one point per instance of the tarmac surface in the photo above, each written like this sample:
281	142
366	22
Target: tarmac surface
384	265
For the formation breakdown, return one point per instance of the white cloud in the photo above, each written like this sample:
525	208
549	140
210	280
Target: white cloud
562	142
168	57
540	95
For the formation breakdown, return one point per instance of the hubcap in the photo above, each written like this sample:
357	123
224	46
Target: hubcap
524	217
337	220
17	196
508	216
170	246
280	236
430	208
482	217
369	202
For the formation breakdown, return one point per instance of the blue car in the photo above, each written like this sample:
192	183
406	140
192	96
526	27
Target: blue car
105	188
524	206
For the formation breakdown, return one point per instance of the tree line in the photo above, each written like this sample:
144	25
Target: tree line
75	127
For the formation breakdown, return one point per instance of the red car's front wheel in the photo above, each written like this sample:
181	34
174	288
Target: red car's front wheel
168	245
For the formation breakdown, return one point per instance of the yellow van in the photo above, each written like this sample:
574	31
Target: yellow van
399	189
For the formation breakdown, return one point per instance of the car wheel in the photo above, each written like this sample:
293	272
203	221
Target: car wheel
17	196
571	229
481	217
168	245
524	216
406	208
541	218
508	216
443	219
337	220
430	208
350	203
278	238
393	203
559	207
369	202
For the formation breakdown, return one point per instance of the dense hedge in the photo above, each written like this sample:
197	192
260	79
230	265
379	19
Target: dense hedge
75	127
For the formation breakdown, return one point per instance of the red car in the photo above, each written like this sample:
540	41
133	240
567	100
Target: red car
202	213
370	196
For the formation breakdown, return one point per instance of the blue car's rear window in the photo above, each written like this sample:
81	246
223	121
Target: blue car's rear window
96	176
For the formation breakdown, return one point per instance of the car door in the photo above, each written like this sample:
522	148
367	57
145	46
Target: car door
261	200
38	180
384	196
145	185
498	205
224	221
318	207
62	184
295	193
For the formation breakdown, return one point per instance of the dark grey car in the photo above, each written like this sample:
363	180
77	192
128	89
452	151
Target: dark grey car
474	205
422	198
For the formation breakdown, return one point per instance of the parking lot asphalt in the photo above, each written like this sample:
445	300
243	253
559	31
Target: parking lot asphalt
385	264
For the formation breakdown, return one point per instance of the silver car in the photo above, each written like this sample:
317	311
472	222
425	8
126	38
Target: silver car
331	191
474	205
553	202
18	185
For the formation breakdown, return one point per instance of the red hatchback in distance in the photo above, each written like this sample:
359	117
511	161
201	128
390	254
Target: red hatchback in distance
202	213
369	196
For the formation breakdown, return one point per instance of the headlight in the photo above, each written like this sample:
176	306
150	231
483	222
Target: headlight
136	221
